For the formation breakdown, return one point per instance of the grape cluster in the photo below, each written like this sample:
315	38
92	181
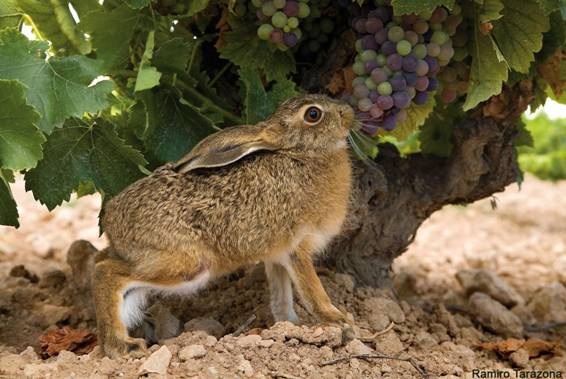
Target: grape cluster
317	28
280	21
398	60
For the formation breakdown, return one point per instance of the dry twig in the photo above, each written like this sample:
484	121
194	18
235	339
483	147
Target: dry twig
367	357
377	334
245	325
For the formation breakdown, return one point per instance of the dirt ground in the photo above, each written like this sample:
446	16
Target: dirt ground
474	275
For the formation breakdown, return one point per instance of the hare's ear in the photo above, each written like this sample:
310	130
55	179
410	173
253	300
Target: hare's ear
216	156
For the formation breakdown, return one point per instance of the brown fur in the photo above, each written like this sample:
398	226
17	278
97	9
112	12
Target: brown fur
171	226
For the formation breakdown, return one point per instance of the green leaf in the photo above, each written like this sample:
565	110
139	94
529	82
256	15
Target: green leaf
519	32
80	153
58	88
148	76
549	6
196	6
20	140
111	33
401	7
491	10
52	20
258	103
8	207
85	6
138	4
173	55
416	116
436	134
9	14
243	48
487	72
174	126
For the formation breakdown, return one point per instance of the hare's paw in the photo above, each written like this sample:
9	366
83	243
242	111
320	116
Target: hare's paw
118	347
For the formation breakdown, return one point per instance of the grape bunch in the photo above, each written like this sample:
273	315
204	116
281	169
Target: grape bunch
280	21
398	60
317	28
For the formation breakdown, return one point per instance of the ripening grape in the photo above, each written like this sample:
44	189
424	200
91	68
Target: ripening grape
398	60
276	36
304	10
291	9
279	4
264	31
293	22
268	9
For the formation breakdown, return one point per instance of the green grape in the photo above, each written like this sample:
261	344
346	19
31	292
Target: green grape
264	31
304	10
439	37
286	29
420	51
257	3
279	4
370	84
359	68
404	48
293	22
359	47
279	19
368	55
298	33
381	60
268	9
396	34
384	89
314	46
326	25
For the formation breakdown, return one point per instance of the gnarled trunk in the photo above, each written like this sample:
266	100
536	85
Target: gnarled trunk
391	201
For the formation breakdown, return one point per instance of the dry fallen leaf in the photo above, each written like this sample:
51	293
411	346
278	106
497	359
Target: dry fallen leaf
534	346
66	338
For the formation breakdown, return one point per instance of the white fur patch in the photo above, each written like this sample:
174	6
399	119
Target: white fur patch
281	292
134	296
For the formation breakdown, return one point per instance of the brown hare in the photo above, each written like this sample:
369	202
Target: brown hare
275	192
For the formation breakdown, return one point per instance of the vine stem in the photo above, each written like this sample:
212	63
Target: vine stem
220	73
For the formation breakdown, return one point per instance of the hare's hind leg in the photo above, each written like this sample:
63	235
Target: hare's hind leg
281	292
112	277
303	274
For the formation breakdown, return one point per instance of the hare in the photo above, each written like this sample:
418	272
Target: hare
275	192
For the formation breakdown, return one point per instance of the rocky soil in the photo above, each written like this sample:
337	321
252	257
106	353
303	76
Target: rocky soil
479	289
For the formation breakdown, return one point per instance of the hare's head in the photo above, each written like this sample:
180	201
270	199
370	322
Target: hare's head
309	122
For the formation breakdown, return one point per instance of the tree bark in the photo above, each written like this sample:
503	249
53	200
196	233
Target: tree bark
390	201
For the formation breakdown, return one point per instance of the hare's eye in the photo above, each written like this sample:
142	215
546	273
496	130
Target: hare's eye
313	114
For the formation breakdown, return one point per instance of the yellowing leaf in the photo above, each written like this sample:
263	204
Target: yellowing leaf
148	76
416	117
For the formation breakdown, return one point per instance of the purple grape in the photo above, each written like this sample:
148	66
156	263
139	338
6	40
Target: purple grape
398	82
373	24
368	43
388	48
370	127
383	13
277	36
433	66
290	39
432	84
381	36
394	62
390	122
422	83
361	91
376	111
373	96
291	8
411	78
420	98
401	99
262	17
378	75
422	68
385	102
359	25
410	63
371	65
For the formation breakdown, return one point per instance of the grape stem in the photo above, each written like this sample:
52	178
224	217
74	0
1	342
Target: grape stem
220	73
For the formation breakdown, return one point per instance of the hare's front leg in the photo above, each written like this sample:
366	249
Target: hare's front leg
303	274
111	278
281	292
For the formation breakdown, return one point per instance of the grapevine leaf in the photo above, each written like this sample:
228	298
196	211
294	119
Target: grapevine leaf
258	103
20	140
111	33
85	6
491	10
79	153
58	88
9	14
487	72
243	48
519	32
138	4
196	6
435	136
401	7
173	55
554	39
549	6
148	76
8	207
173	127
416	116
52	20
